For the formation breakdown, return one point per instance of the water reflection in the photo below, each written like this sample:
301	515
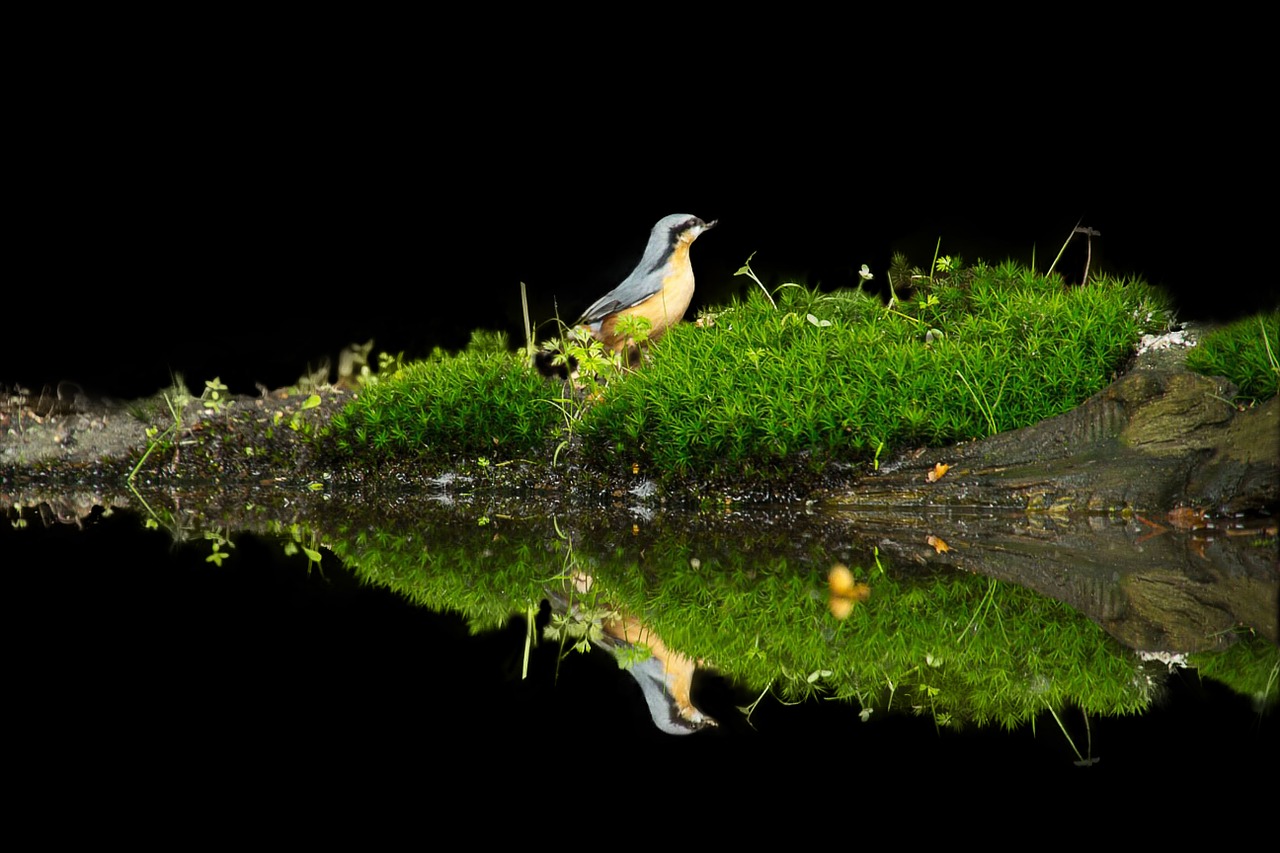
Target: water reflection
745	595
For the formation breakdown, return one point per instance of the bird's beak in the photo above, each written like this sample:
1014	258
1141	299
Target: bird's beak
707	226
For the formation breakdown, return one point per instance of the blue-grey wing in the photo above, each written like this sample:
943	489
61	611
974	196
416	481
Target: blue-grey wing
623	296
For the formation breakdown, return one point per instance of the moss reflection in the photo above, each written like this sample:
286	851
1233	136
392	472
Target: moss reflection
959	647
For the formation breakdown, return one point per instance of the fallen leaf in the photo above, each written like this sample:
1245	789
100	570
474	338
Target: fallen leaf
840	580
845	592
937	544
840	607
1186	518
938	470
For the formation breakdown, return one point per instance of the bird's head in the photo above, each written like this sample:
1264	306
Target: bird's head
681	226
675	230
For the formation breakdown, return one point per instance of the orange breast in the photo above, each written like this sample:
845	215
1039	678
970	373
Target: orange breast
665	308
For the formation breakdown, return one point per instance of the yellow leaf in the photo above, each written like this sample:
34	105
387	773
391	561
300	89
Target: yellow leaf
938	470
840	607
845	592
840	580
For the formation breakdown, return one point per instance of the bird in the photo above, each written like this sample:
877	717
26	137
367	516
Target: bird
658	289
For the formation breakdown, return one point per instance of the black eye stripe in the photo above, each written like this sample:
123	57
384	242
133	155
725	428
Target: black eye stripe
680	228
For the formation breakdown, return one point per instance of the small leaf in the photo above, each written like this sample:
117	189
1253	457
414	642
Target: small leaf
938	471
840	580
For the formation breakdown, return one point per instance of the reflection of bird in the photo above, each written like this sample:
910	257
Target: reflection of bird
665	677
658	289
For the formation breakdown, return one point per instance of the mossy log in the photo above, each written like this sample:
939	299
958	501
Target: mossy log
1128	507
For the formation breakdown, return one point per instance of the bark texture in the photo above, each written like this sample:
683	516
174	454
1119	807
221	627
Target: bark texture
1148	507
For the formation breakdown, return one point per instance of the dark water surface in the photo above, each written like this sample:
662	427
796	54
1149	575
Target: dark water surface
138	646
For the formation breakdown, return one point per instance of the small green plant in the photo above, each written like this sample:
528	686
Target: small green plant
746	270
579	628
388	363
628	656
176	399
212	397
219	540
634	328
593	367
578	350
946	264
305	542
296	421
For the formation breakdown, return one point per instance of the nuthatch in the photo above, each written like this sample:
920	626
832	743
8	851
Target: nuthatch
658	289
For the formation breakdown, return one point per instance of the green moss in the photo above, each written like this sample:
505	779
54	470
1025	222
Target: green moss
1247	352
480	402
466	569
962	648
774	389
832	376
